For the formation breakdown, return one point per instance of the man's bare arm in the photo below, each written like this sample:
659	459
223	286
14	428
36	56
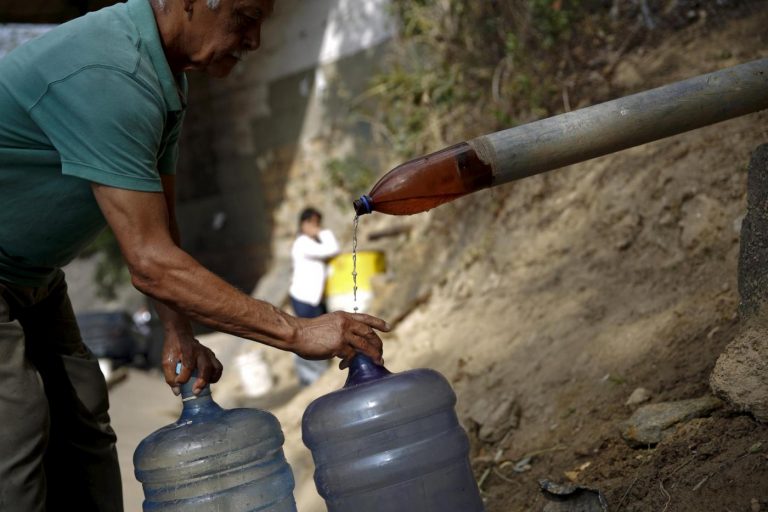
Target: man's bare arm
179	343
162	270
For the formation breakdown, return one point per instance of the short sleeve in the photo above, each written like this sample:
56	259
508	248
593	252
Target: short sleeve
106	126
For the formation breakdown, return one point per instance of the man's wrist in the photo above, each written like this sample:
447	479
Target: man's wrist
291	329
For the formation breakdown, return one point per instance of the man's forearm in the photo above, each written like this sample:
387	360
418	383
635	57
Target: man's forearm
144	224
184	286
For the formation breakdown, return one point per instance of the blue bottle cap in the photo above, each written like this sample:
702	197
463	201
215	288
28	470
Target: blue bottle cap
363	205
362	369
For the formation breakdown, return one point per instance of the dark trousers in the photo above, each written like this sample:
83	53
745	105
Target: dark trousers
308	371
57	449
304	310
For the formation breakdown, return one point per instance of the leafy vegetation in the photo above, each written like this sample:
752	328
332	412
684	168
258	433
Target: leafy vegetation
461	68
351	175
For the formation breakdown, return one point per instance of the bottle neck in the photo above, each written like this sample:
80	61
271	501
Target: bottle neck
196	405
362	369
426	182
363	205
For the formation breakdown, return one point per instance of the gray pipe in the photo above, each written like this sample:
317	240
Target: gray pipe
625	122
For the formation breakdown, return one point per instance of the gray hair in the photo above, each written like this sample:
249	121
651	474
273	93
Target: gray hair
212	4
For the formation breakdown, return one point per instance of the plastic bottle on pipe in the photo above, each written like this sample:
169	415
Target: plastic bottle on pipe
215	459
390	443
426	182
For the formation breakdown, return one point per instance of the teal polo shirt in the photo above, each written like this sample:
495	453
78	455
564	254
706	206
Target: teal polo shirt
92	100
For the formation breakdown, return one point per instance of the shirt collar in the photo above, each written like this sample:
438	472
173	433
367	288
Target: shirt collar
143	17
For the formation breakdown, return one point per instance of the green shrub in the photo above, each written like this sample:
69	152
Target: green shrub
461	68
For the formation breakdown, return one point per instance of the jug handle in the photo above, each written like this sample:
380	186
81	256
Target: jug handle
362	369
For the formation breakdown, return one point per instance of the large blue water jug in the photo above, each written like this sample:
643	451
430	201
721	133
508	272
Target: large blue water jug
390	443
215	460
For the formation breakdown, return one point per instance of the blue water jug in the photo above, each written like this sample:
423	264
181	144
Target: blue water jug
215	460
390	443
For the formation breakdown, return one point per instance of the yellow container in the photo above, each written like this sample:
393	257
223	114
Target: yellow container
339	286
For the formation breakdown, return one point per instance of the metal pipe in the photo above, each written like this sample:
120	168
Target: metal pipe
625	122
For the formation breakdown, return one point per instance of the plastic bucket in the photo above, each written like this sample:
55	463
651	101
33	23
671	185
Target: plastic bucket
339	286
255	373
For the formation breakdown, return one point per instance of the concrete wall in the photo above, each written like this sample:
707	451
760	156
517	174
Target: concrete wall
277	119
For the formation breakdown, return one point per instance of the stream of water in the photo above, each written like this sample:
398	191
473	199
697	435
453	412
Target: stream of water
354	263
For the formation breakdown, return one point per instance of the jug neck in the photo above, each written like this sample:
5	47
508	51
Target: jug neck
196	405
199	406
362	369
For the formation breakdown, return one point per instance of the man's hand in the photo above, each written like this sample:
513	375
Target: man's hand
193	355
340	335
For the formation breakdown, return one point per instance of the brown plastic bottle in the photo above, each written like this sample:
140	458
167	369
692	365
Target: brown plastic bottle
426	182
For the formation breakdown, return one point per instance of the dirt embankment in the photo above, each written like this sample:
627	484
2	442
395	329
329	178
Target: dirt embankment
565	292
555	297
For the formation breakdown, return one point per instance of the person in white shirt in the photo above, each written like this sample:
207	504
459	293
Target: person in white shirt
313	247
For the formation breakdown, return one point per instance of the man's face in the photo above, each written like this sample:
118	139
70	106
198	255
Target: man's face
219	38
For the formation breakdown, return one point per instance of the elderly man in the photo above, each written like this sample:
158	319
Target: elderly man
91	114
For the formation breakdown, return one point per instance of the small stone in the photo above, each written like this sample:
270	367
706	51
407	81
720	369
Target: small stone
637	397
571	497
494	418
573	476
650	423
755	505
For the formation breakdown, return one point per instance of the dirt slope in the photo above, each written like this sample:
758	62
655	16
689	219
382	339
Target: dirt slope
559	295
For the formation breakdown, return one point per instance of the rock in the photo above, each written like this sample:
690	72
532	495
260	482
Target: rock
494	417
753	249
649	424
637	397
741	373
